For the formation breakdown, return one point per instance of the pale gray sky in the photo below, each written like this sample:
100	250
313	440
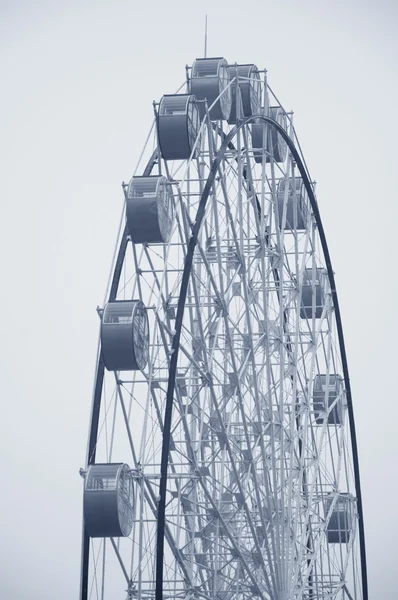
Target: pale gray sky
78	80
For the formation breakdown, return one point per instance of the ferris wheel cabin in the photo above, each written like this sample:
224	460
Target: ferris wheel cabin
297	204
278	147
248	83
268	139
178	124
340	525
327	389
209	78
149	210
313	293
125	335
108	500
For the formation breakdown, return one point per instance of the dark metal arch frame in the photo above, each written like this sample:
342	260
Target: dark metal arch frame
176	343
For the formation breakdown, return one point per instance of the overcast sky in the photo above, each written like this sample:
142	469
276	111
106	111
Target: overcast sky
77	83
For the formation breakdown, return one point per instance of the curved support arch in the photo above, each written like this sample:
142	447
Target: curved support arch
176	344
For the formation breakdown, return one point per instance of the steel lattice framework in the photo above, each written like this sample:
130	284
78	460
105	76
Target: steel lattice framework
236	475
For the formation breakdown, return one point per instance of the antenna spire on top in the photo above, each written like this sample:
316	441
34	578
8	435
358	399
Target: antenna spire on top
206	36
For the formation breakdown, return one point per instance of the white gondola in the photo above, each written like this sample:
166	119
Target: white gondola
297	204
149	210
108	500
326	393
265	137
248	82
125	335
341	522
209	79
178	125
313	293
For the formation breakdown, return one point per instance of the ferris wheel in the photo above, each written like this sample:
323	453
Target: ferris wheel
222	461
